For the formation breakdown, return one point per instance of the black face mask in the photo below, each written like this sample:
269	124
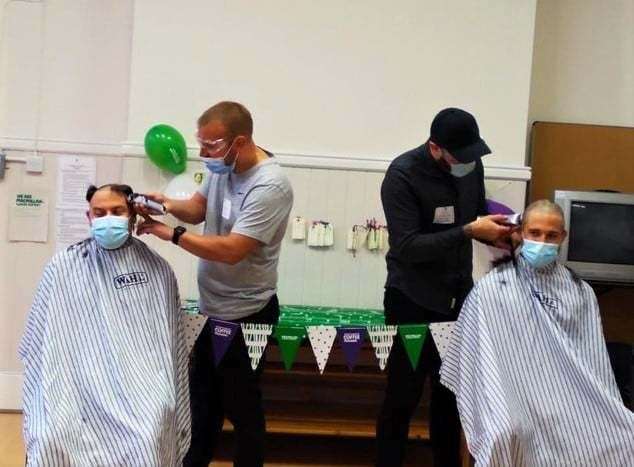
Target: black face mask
444	165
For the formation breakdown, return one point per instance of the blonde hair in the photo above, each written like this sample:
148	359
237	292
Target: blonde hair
543	206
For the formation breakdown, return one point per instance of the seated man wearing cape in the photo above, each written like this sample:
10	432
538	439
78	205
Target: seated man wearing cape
105	381
529	366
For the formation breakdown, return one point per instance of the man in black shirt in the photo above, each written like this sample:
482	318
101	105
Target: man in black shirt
432	196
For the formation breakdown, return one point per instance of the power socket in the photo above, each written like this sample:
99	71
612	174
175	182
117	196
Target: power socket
35	164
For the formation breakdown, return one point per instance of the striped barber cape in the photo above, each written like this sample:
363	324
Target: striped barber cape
105	381
529	367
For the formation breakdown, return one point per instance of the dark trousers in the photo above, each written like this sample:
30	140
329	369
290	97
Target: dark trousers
232	390
404	389
622	360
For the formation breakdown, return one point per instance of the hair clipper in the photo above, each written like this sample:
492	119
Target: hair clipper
155	208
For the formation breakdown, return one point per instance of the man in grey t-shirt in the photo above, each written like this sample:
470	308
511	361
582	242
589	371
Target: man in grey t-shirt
245	203
256	204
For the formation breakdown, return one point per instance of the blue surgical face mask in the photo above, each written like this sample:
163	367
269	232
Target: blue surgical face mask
539	254
110	232
460	170
217	165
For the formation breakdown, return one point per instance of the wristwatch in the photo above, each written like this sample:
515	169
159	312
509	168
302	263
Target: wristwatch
178	231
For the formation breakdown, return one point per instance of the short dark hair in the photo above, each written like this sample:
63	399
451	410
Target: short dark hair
233	115
124	190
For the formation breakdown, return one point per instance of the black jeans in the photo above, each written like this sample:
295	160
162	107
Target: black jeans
232	390
404	389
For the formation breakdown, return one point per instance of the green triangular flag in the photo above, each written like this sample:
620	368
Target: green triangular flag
289	339
413	337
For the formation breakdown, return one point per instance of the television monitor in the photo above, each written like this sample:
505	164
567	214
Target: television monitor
600	242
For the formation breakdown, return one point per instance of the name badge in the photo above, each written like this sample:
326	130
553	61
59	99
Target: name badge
444	215
226	208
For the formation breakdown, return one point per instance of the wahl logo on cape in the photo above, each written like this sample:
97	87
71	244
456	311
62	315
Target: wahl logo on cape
130	279
546	301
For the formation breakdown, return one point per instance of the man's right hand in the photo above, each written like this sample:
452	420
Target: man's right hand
490	229
154	196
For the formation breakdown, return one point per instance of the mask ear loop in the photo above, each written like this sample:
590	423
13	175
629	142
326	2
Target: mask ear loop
229	150
235	160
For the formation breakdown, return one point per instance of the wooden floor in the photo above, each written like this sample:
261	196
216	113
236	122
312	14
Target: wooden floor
283	450
11	444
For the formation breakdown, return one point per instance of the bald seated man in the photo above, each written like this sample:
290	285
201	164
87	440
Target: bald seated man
529	366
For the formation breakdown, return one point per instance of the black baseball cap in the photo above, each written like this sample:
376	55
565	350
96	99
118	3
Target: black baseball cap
457	131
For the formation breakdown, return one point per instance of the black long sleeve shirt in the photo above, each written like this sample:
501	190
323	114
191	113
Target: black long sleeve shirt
430	257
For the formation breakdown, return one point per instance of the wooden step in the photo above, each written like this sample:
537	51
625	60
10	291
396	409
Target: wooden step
338	403
305	384
296	418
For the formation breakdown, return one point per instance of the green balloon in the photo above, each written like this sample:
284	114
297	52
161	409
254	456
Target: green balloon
166	147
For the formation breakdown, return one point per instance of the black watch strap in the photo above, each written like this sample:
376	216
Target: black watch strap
178	231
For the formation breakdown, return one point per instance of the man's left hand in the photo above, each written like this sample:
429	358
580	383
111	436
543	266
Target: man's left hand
154	227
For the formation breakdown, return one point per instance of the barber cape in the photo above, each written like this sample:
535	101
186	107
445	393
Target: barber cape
105	380
529	367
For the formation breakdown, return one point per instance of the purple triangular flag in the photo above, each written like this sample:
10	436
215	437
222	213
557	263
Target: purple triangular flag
222	333
351	340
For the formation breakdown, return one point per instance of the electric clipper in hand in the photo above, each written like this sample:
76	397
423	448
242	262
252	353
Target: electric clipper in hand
156	209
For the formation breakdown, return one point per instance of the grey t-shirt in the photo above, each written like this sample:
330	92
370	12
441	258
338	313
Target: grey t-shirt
255	203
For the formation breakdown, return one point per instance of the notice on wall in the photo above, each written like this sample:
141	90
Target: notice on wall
71	227
28	216
74	175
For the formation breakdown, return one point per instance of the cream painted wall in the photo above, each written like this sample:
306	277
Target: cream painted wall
21	39
355	78
65	72
583	63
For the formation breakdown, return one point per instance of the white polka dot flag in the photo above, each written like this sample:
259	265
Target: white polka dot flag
192	325
382	338
321	339
441	332
256	336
